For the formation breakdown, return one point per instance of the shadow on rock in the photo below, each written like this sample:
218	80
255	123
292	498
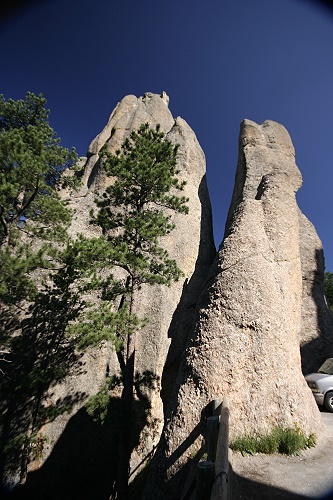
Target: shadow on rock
81	466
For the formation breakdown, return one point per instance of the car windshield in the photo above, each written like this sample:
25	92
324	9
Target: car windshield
327	367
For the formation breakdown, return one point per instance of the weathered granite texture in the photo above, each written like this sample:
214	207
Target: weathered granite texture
245	344
191	244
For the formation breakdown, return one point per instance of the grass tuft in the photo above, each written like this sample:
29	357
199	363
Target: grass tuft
288	441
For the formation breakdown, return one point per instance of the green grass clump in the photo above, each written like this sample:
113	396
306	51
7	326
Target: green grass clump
289	441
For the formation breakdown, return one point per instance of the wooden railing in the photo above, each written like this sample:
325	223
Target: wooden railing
214	475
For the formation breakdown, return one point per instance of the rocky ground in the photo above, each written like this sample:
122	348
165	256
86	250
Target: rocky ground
309	475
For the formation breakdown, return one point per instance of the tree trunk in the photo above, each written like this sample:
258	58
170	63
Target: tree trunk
124	451
5	238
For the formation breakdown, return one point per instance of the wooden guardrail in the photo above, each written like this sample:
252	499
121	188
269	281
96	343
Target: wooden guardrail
214	475
221	489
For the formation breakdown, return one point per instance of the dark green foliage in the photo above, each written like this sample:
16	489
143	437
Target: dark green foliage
42	325
105	324
36	305
98	405
32	166
37	357
145	172
131	211
32	169
289	441
328	283
134	213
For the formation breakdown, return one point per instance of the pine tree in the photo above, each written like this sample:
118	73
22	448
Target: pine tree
33	315
32	168
134	213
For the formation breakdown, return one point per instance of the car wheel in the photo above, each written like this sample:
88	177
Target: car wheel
329	401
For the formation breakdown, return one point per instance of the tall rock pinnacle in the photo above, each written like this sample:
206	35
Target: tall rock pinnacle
190	244
246	341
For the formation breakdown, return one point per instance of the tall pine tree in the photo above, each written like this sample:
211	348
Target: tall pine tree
134	213
33	315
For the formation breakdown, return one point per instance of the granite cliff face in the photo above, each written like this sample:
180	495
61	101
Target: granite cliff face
249	321
190	244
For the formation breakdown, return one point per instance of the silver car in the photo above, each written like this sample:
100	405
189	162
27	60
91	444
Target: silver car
321	384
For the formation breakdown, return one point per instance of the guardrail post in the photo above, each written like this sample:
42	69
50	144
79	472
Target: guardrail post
205	479
221	486
215	406
212	436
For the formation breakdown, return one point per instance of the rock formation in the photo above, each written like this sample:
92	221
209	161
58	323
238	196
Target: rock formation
316	334
190	244
231	328
246	342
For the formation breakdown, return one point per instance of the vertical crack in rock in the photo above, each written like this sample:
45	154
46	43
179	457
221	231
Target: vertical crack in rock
245	340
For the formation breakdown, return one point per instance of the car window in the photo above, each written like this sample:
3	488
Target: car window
327	367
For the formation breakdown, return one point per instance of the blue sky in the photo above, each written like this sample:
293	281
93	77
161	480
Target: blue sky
220	61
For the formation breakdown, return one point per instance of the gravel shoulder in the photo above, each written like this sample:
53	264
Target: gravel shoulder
309	475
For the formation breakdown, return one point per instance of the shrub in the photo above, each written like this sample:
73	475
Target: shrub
289	441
